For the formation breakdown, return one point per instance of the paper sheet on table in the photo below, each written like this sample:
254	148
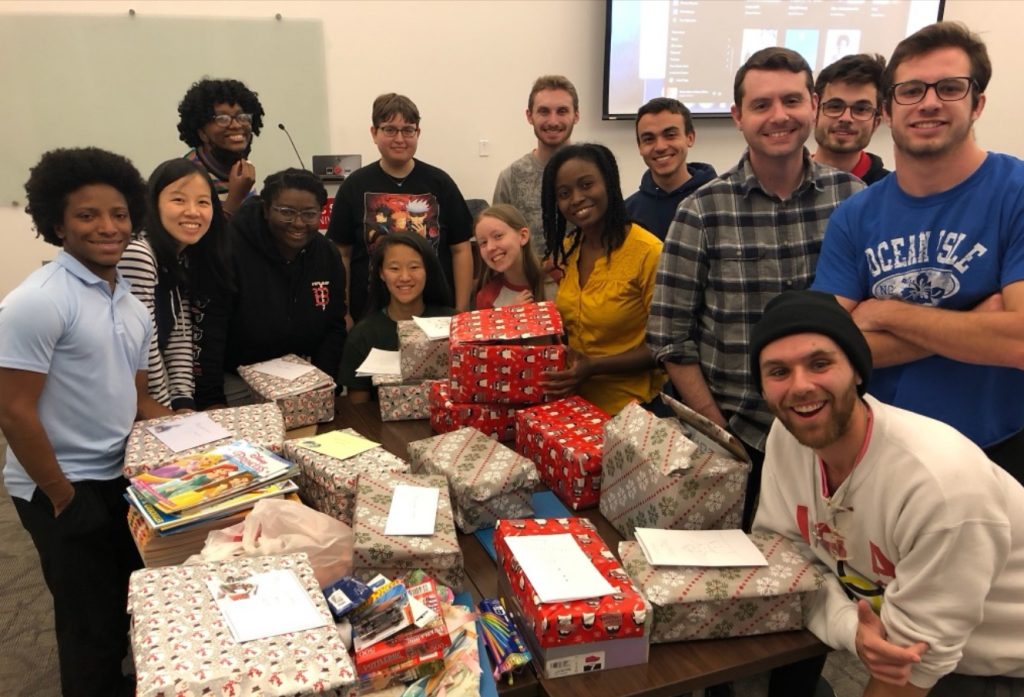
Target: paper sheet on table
558	569
281	368
698	548
380	362
434	327
265	605
337	444
189	432
413	510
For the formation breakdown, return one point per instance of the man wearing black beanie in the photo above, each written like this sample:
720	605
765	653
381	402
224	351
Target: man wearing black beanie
894	506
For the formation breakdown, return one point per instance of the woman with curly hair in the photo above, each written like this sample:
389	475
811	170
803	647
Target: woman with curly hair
218	119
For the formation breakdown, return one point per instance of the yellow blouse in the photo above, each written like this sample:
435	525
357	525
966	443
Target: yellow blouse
609	316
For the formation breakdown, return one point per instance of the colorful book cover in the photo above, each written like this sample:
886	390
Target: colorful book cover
165	523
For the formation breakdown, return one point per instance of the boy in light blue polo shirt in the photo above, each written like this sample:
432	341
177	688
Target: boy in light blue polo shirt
73	355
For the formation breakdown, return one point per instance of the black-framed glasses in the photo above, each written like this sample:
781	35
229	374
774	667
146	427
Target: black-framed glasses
948	89
288	215
406	131
859	111
224	120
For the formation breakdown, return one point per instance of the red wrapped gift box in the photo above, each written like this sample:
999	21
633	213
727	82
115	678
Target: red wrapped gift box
501	354
495	420
565	439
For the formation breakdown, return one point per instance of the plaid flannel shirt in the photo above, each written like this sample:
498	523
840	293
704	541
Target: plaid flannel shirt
733	247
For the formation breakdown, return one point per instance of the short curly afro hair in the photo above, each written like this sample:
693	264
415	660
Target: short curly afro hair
196	108
61	172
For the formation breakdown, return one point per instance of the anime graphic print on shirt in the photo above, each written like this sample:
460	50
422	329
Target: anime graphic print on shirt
385	213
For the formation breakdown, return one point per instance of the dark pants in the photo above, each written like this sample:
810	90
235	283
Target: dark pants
1009	454
955	685
87	555
753	485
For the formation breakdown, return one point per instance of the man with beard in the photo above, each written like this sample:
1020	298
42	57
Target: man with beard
920	537
218	119
930	260
552	109
849	110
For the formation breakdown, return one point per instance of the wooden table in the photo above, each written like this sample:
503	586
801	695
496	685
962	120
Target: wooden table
673	668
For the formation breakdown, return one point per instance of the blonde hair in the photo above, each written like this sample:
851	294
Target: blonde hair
511	216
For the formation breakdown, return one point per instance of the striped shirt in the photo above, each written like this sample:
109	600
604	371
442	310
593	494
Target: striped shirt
731	248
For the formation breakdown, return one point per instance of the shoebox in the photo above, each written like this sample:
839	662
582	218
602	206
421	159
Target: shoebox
420	357
393	556
495	420
182	644
402	400
718	602
684	473
582	635
501	354
260	424
329	484
304	400
565	440
488	480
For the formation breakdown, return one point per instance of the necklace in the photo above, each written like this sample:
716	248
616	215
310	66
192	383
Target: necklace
398	181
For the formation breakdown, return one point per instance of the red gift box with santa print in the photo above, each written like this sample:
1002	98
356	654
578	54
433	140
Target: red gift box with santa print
495	420
565	440
502	354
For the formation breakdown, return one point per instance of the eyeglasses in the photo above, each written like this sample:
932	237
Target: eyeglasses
288	215
224	120
406	131
948	89
859	111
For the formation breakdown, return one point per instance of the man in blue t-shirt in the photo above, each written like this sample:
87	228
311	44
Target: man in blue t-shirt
930	261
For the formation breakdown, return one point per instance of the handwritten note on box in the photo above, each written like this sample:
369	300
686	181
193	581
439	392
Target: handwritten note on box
557	568
413	510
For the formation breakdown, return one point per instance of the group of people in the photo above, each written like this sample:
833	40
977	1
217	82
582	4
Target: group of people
697	284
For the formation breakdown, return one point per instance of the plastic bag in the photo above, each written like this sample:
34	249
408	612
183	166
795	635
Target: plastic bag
277	526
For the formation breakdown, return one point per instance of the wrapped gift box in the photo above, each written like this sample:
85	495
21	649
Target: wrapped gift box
582	635
496	420
308	399
329	485
674	474
712	603
396	555
421	358
488	480
404	401
260	424
183	647
501	354
565	439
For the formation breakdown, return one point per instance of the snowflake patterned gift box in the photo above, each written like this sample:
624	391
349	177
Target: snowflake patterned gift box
403	401
396	555
501	354
308	399
329	484
718	602
565	439
495	420
488	480
260	424
420	357
675	474
183	646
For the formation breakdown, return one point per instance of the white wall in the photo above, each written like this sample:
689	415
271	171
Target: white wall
469	64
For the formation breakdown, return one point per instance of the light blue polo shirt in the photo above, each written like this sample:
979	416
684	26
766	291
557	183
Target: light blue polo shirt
64	321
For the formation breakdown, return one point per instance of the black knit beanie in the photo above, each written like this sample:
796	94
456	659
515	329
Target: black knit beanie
799	311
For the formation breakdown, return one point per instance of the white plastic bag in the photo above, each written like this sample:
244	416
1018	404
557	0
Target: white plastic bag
278	526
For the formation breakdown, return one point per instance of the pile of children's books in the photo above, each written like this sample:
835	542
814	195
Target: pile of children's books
175	506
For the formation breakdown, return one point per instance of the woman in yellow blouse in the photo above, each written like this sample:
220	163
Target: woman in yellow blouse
605	294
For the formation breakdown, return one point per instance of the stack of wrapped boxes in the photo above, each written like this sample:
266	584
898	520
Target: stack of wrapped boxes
422	360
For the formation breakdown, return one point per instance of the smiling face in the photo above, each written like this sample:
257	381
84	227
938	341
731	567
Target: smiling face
96	228
186	209
500	245
235	137
396	150
845	134
304	209
581	194
664	144
776	114
552	117
404	274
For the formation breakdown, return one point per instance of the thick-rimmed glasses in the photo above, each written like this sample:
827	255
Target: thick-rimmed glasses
859	111
406	131
224	120
288	215
948	89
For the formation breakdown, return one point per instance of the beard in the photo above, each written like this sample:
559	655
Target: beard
821	435
933	148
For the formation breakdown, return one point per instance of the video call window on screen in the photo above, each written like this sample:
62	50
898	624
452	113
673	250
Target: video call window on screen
691	49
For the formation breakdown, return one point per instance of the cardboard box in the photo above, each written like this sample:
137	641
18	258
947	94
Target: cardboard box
713	603
495	420
488	481
673	474
329	485
404	401
260	424
500	355
182	645
396	555
421	358
308	399
565	439
411	643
